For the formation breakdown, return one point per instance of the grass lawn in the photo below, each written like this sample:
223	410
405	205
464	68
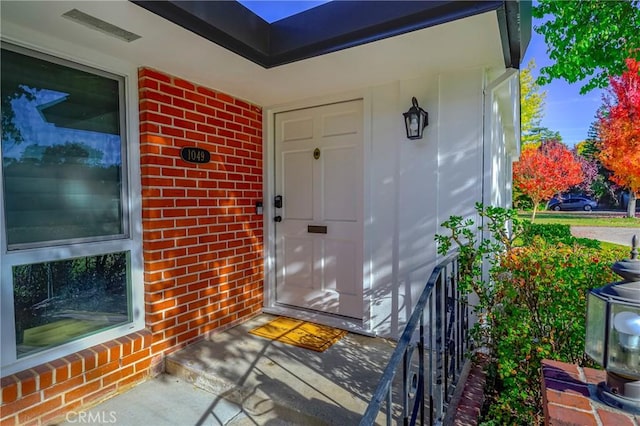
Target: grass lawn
612	246
584	219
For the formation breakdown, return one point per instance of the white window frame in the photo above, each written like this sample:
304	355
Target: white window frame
131	241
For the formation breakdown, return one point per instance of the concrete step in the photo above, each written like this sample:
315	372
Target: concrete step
164	400
274	383
256	406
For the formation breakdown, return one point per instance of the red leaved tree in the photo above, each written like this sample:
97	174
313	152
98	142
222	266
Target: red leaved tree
619	131
545	171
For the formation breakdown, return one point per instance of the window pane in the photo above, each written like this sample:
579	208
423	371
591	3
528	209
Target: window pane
56	302
61	152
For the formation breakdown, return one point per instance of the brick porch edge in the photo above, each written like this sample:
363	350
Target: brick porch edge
468	403
569	397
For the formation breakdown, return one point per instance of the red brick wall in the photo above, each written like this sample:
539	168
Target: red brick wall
202	244
202	238
48	391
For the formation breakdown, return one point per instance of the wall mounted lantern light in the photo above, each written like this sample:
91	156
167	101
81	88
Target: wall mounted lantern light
613	334
415	120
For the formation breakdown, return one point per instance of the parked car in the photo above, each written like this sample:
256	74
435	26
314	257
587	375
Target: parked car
572	203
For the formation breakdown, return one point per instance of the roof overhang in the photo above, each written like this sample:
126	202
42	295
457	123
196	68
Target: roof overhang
335	25
484	40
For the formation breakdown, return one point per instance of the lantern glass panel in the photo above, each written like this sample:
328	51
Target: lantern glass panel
624	340
596	328
412	119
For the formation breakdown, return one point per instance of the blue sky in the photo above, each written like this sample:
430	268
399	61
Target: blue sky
272	11
566	110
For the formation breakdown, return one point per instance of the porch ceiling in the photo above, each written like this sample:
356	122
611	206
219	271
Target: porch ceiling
414	42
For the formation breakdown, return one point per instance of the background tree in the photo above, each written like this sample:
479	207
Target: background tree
588	40
541	134
545	171
531	104
619	131
596	177
586	149
535	137
605	191
589	173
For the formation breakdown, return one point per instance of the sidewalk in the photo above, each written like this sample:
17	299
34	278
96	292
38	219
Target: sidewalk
163	400
237	379
620	236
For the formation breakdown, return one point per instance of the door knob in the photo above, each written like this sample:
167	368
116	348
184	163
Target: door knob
277	219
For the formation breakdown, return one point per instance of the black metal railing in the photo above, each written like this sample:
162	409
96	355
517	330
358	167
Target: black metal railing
431	353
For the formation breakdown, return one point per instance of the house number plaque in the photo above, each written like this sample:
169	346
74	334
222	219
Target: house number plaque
192	154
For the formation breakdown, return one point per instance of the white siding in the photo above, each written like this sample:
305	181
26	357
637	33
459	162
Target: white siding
416	185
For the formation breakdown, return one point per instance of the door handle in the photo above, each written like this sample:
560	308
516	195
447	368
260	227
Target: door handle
277	219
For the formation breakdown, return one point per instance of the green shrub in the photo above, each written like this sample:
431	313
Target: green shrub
542	316
472	253
554	233
533	305
549	232
587	242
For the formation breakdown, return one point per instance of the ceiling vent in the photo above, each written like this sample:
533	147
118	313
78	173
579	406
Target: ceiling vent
100	25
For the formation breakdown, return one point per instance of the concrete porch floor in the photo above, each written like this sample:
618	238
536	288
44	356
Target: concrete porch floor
236	378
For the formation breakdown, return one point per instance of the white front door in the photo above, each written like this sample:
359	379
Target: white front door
319	228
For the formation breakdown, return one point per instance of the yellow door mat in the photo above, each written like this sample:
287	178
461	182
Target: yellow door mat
300	333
